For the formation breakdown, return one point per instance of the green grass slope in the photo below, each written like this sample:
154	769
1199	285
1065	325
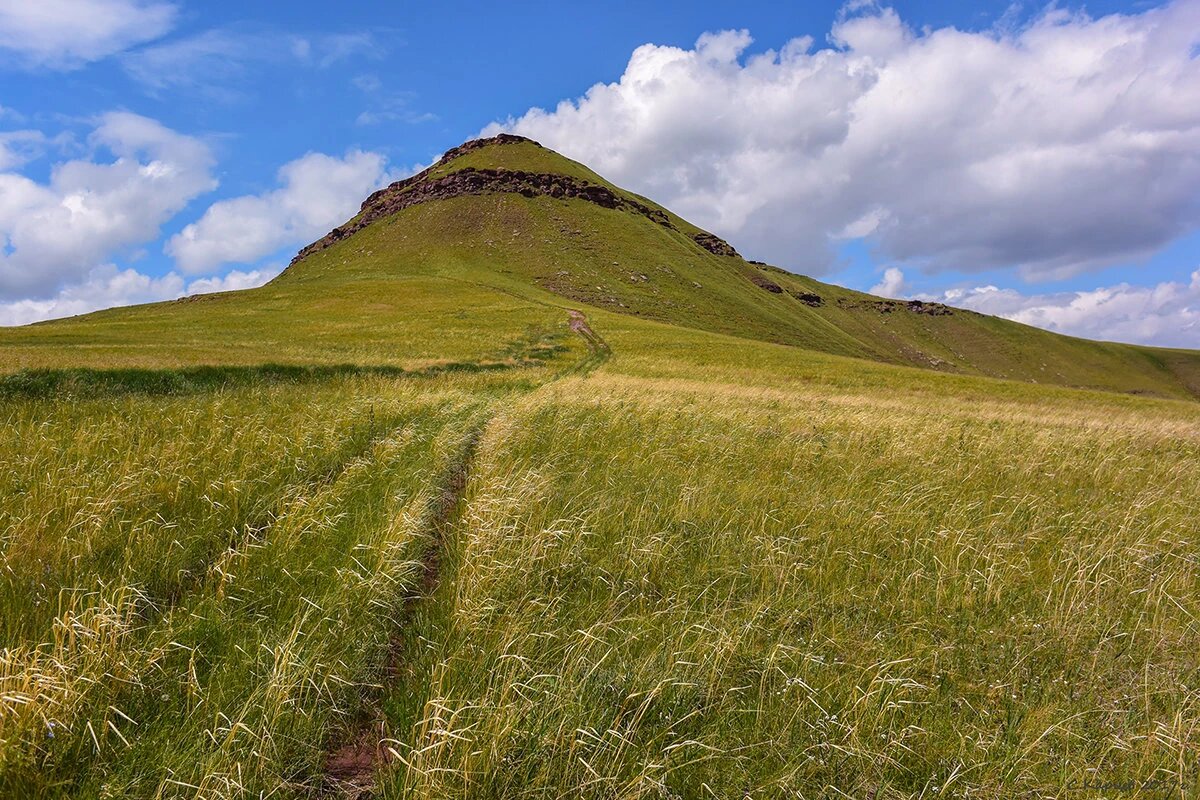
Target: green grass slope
626	262
407	320
447	278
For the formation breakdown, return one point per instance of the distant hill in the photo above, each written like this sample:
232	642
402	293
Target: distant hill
479	245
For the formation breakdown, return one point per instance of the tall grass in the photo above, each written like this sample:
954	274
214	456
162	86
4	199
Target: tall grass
686	566
684	588
198	589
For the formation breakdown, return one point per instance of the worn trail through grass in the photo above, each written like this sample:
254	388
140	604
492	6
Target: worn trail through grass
351	766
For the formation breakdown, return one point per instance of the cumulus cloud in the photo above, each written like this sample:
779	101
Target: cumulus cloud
64	34
107	286
892	285
316	193
234	280
1165	314
1058	147
53	234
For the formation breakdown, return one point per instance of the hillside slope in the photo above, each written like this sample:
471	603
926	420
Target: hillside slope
484	243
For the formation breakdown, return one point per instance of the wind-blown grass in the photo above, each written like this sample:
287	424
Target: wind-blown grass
685	565
216	576
677	587
534	347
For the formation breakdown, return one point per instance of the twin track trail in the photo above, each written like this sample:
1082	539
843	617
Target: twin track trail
351	767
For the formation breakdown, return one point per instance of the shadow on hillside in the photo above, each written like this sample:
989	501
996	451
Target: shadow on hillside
536	347
80	383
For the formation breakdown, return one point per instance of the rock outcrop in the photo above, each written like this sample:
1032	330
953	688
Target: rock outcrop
808	298
714	244
766	283
888	306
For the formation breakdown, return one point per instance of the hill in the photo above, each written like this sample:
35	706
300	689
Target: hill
509	490
500	228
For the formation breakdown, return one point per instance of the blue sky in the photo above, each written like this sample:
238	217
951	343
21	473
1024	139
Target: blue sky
1031	161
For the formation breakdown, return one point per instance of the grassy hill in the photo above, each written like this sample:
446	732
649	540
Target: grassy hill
467	258
541	493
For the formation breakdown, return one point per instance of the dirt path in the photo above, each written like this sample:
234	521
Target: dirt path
578	322
351	767
598	349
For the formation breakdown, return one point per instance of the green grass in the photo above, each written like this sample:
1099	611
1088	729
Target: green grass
535	347
700	567
408	321
703	584
629	264
207	604
718	543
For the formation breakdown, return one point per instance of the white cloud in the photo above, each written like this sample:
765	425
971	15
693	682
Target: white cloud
1166	314
367	82
1056	147
395	112
330	49
892	285
107	286
54	234
387	106
235	280
63	34
204	59
214	58
316	193
20	147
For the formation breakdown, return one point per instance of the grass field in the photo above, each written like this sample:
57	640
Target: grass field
687	588
405	523
217	575
747	573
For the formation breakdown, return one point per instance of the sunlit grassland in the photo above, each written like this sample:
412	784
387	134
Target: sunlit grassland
458	279
624	263
199	590
652	351
686	565
716	569
403	320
